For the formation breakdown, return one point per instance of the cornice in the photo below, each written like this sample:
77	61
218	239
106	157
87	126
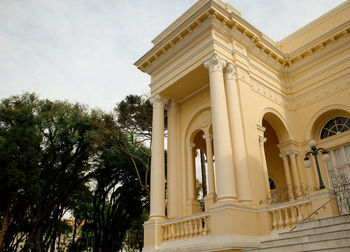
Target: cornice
313	23
324	41
216	10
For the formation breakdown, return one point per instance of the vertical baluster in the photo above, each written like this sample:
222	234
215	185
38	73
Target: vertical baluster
189	227
165	235
304	210
294	220
274	220
286	218
182	228
280	219
209	224
205	225
195	231
186	228
177	231
173	231
300	217
170	236
200	222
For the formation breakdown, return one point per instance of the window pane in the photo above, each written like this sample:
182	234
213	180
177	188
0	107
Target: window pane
335	126
347	152
338	158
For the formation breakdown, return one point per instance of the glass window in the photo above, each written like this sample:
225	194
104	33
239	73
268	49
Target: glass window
335	126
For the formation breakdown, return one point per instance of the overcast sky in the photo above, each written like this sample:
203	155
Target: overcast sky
84	50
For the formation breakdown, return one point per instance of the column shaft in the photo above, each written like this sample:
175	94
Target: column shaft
237	134
262	141
211	178
226	189
172	164
192	203
295	174
157	204
288	177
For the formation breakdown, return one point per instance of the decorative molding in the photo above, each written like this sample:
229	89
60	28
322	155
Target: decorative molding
205	119
262	140
208	137
215	63
158	101
229	71
237	24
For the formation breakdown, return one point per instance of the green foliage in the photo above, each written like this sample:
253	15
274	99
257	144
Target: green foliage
57	157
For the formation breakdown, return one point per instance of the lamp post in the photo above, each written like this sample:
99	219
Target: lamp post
314	152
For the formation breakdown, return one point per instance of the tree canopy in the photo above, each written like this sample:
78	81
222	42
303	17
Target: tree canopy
58	158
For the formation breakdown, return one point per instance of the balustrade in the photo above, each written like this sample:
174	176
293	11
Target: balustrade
287	216
188	227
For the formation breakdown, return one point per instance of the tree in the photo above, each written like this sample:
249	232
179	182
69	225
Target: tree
45	152
57	157
117	198
134	115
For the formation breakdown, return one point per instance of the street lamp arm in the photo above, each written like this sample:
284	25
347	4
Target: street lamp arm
308	153
322	149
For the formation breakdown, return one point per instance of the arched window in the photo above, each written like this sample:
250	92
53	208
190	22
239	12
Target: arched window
335	126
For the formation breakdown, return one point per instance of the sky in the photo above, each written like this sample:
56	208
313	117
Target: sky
84	50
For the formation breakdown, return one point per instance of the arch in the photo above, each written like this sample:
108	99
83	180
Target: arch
193	116
195	123
322	116
276	120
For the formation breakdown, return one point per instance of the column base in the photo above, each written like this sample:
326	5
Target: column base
193	207
209	201
226	200
153	232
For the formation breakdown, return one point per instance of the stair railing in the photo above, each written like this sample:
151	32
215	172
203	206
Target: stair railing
313	213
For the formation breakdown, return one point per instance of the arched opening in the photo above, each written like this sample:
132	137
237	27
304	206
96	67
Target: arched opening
200	168
200	175
274	164
331	130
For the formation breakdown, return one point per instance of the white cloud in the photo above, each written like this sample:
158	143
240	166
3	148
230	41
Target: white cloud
84	50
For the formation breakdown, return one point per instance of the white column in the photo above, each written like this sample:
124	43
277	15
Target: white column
225	177
192	203
287	174
172	164
157	204
237	134
211	178
262	141
295	173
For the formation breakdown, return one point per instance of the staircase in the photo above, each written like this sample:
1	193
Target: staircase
330	234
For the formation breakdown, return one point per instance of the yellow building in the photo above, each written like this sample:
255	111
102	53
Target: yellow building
242	110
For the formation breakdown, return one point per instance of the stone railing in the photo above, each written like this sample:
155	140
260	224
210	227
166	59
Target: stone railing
187	227
289	214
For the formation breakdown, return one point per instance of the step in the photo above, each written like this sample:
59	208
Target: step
342	249
310	246
307	238
318	230
323	222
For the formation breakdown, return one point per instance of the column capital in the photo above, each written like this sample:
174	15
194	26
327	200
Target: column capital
172	106
292	153
284	156
158	101
262	140
215	63
190	145
208	136
229	71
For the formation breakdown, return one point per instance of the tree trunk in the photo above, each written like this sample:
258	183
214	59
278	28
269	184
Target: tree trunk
4	224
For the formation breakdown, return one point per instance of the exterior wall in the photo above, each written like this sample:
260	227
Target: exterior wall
281	95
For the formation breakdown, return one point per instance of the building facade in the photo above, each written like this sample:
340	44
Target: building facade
241	112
